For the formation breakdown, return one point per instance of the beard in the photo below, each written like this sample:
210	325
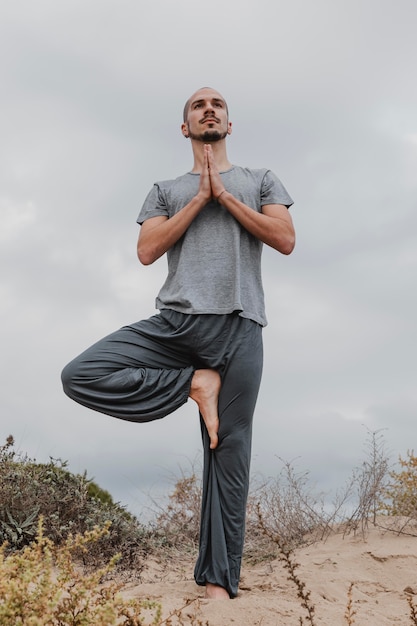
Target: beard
208	136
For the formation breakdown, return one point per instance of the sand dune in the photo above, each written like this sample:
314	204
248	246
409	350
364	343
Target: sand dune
381	565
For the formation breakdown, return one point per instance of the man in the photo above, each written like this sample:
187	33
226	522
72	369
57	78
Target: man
205	343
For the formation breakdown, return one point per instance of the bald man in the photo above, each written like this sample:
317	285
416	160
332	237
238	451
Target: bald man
205	343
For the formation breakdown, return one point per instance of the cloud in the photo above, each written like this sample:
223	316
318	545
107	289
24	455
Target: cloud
15	219
92	96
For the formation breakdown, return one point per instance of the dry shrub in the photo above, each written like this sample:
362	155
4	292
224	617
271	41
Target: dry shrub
179	520
401	493
285	555
41	584
290	509
290	505
413	610
370	483
350	611
295	512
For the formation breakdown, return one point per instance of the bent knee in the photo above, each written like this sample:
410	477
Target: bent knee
68	376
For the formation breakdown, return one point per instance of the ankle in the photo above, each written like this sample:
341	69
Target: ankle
216	592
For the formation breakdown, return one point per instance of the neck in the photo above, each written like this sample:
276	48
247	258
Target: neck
219	151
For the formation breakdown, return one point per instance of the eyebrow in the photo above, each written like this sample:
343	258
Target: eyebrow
211	99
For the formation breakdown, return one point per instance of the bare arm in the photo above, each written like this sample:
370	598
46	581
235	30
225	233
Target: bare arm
159	234
273	226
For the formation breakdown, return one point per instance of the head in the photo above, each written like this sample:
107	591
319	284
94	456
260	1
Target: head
206	116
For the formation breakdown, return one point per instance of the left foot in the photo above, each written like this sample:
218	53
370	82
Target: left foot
205	388
215	592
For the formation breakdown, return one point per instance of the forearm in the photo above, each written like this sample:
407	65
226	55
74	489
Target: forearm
273	226
157	235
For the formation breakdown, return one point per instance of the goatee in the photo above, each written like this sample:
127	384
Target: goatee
208	136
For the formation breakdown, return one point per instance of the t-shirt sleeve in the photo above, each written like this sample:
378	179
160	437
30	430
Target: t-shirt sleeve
154	205
273	191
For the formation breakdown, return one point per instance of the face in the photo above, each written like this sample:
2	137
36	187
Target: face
206	117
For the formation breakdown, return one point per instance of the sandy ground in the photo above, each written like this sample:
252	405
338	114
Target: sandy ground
381	565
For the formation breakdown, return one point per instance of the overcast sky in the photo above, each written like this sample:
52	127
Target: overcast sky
324	93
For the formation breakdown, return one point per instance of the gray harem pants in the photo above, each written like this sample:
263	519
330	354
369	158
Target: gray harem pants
143	372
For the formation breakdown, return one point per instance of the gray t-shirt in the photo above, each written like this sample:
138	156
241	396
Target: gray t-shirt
215	267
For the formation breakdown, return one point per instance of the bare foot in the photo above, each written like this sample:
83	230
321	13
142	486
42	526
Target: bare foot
215	592
205	388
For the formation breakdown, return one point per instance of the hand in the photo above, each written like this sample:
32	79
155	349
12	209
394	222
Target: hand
205	191
216	183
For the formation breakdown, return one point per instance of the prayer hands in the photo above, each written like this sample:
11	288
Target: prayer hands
211	184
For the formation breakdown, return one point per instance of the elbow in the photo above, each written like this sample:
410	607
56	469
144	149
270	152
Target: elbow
288	246
145	257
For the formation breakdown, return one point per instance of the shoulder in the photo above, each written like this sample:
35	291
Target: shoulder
250	171
184	179
258	176
270	187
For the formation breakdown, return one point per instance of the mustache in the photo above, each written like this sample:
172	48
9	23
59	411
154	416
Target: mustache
209	117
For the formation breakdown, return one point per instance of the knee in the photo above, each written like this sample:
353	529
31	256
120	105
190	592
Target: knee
68	376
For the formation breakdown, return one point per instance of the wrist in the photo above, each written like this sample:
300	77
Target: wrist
202	198
220	194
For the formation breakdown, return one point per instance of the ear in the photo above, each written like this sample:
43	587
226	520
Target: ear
229	128
184	130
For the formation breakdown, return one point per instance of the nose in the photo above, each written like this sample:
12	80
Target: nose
208	108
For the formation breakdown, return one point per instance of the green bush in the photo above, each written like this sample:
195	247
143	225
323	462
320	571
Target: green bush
68	503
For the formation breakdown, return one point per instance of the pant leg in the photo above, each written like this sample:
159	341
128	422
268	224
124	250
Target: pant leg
139	373
143	372
226	469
